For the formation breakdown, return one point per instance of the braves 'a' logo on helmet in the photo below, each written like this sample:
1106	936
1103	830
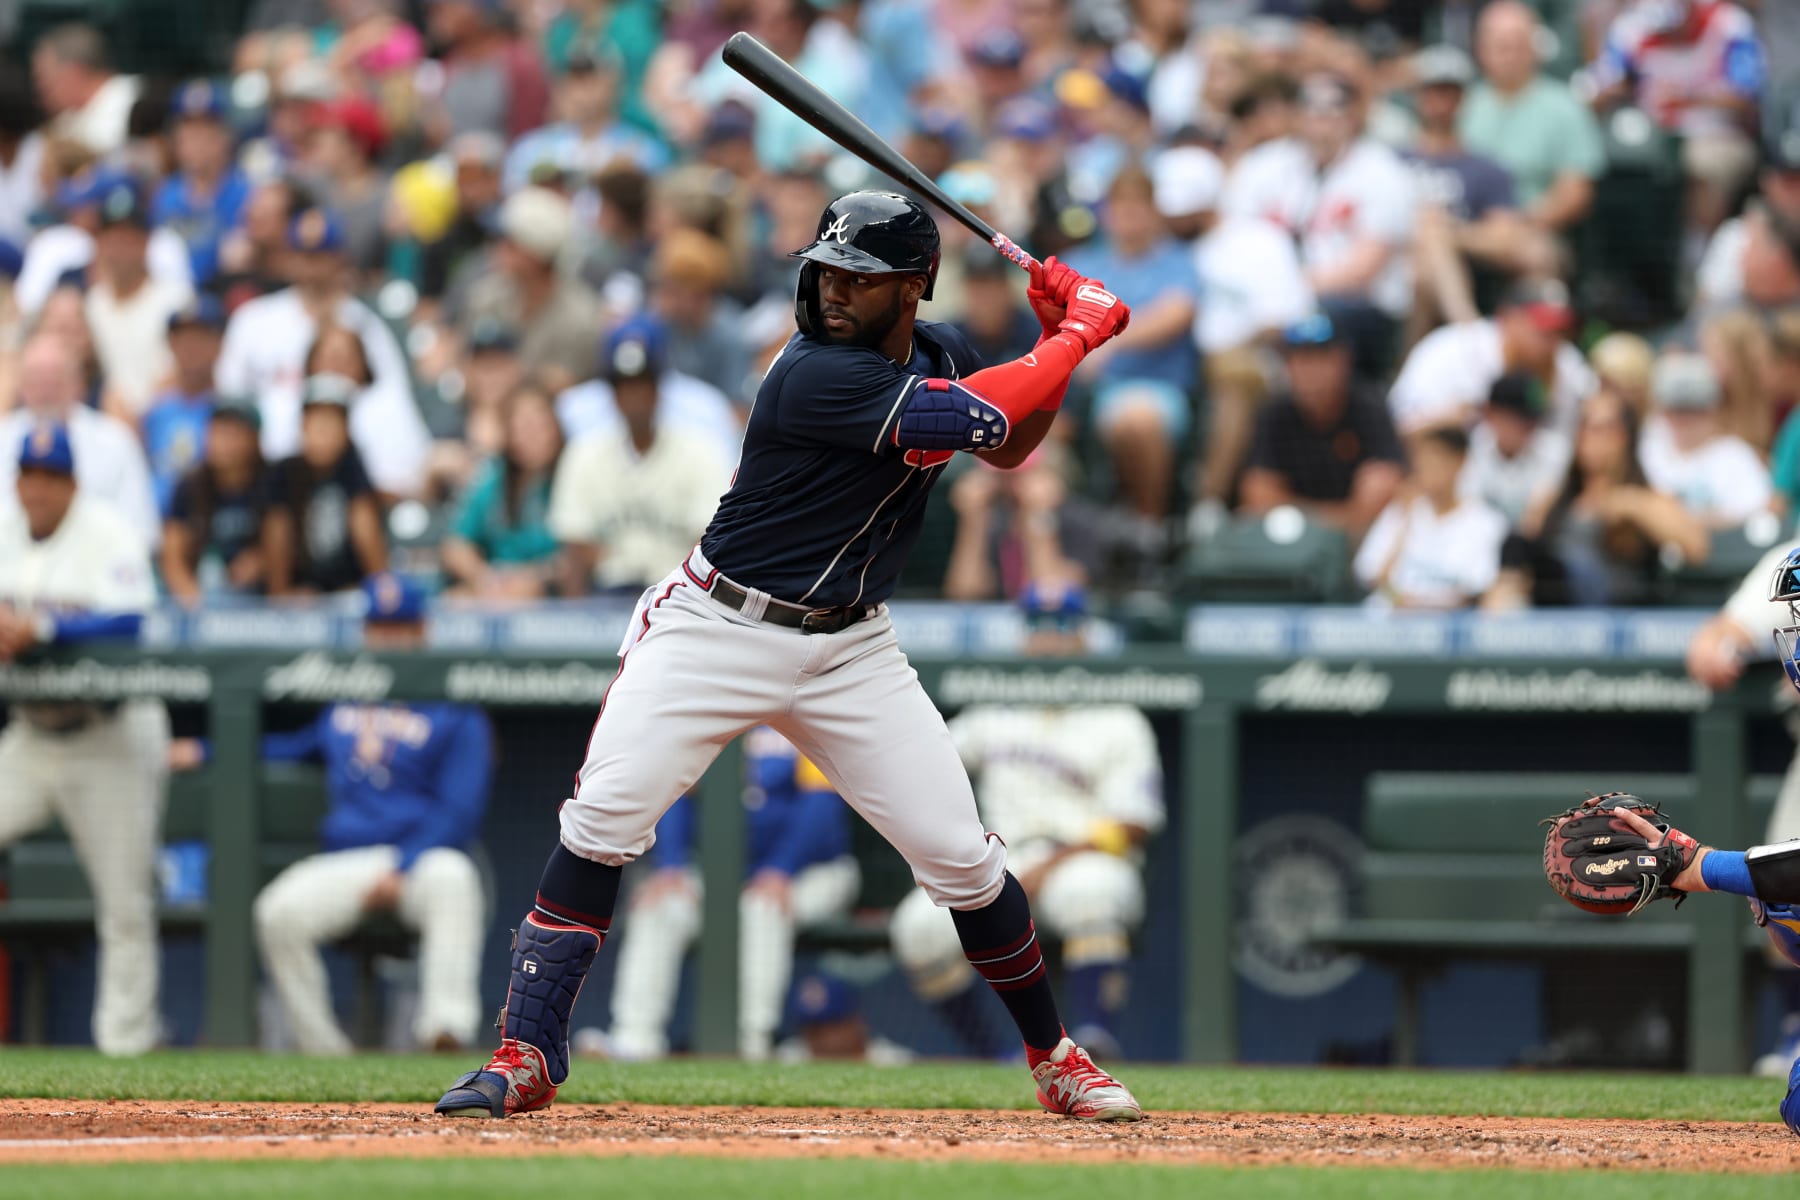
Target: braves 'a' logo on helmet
834	232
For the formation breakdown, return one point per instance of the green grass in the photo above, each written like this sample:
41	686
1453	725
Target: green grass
802	1179
237	1075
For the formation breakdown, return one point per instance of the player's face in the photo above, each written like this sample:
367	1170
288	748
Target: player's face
45	497
861	310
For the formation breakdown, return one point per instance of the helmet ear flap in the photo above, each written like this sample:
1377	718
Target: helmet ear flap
931	277
806	298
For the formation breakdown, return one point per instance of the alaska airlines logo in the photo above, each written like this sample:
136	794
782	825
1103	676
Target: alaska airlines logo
835	231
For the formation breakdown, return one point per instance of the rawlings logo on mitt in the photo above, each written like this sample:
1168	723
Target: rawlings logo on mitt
1595	860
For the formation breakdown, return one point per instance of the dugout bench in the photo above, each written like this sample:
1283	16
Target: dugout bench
48	901
1428	899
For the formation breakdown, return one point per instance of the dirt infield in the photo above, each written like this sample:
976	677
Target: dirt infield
58	1131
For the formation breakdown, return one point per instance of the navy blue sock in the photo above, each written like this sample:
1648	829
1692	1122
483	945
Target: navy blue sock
1002	945
965	1012
578	890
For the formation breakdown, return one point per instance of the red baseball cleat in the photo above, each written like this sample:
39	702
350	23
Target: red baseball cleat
1069	1083
515	1080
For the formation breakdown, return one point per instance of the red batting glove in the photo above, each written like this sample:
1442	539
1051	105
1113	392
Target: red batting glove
1052	284
1095	315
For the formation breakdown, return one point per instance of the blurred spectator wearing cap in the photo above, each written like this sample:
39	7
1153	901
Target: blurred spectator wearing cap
1076	810
322	531
686	278
1321	442
1111	110
1715	475
1144	379
1468	217
527	287
86	99
1434	545
1445	380
21	157
814	43
692	406
338	160
590	133
204	199
212	533
1774	207
407	786
997	325
128	310
629	501
631	29
1699	69
996	65
1251	287
110	463
1349	202
63	252
1514	459
493	81
267	341
72	575
174	426
500	546
1031	176
1530	124
1598	538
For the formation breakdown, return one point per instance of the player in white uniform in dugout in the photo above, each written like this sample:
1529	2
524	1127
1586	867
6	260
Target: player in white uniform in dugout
73	571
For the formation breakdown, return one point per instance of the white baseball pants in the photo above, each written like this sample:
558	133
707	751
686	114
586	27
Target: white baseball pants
320	899
106	785
697	674
659	928
1086	900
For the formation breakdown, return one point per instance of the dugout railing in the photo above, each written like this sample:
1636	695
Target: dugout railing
1210	695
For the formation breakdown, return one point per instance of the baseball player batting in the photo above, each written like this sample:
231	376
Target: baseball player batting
1615	853
777	618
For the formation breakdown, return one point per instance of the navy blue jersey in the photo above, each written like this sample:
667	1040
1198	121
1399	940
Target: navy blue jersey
825	508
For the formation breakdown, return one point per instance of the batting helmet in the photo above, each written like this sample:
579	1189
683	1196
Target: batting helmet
871	233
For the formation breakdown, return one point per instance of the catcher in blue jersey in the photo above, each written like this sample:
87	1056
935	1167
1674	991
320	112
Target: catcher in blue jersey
1616	853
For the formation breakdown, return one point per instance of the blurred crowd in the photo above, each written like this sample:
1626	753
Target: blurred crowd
481	290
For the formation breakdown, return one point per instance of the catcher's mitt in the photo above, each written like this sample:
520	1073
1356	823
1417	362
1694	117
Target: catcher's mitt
1596	861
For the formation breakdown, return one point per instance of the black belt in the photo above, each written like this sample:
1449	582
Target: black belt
790	616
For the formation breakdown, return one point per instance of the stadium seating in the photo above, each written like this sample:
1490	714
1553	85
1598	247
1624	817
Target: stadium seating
1245	562
1417	830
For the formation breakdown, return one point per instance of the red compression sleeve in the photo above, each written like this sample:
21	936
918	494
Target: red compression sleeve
1035	383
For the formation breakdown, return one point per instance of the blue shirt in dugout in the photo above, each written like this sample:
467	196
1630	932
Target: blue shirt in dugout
414	776
825	508
201	220
1140	281
796	820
